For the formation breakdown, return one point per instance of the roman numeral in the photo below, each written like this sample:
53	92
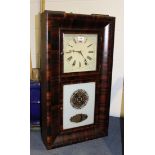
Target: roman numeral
74	40
79	64
90	51
85	62
74	63
88	57
70	45
89	45
70	51
69	59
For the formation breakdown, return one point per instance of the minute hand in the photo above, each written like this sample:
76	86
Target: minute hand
82	56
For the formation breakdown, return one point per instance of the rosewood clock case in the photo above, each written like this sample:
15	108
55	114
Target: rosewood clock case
53	25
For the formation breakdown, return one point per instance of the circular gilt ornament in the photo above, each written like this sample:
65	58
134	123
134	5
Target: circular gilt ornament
79	99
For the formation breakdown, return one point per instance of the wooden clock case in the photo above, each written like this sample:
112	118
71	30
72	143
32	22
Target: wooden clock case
53	25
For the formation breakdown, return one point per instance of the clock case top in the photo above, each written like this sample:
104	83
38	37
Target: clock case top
53	25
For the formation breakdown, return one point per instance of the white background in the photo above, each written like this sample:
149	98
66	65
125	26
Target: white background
139	77
111	7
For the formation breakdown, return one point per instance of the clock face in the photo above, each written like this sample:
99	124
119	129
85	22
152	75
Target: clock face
80	52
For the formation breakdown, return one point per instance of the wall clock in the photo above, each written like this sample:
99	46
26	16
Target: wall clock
76	71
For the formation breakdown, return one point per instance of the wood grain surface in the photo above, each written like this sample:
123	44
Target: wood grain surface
54	24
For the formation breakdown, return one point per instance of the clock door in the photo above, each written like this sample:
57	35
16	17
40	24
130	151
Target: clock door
80	52
78	104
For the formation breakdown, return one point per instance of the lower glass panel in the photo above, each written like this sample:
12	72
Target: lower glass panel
78	105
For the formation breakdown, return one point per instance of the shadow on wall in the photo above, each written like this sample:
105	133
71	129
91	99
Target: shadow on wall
116	87
122	121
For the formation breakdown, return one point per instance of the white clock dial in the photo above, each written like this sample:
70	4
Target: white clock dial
80	52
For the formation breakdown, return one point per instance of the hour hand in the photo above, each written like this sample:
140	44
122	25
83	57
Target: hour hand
73	51
78	51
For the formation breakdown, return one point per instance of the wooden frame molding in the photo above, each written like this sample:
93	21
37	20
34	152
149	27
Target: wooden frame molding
53	79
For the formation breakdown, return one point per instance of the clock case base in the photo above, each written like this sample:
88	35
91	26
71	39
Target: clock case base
53	78
78	140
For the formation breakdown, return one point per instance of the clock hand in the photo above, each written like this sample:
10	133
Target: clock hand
75	51
83	57
79	53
